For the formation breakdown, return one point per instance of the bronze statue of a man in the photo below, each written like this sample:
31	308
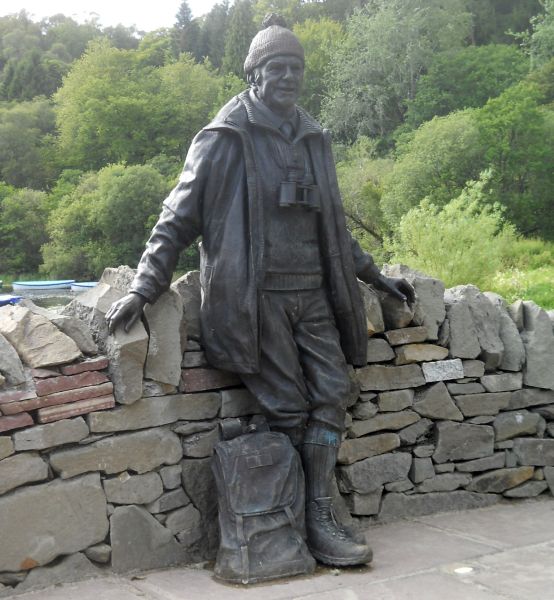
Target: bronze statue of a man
281	304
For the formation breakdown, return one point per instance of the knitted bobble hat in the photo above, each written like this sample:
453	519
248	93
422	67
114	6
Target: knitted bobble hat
273	40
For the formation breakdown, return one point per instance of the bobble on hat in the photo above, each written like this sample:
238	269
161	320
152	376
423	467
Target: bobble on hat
273	40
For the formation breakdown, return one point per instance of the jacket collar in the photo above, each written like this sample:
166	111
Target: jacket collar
241	111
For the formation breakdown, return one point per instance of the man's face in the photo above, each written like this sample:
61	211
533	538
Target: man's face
279	83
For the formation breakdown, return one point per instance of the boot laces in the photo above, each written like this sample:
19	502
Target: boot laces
326	516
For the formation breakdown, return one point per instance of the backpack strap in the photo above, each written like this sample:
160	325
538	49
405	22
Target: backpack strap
243	549
291	518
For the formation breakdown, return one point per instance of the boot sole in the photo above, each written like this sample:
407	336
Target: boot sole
337	561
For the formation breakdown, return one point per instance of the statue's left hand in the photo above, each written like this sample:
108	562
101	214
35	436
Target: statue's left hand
397	287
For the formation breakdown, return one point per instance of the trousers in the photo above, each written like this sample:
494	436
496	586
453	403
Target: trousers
303	377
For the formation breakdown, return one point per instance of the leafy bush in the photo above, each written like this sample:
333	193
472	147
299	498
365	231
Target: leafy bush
104	221
463	242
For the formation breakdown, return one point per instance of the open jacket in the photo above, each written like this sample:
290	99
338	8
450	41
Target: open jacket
217	197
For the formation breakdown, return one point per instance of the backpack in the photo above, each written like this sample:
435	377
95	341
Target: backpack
260	486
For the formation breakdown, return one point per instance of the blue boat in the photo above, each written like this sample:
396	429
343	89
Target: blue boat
81	286
31	286
9	299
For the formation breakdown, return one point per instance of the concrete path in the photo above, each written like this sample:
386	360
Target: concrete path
504	552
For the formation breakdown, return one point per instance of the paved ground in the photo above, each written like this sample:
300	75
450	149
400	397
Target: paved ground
500	553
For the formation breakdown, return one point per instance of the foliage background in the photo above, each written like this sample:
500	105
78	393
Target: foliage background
442	112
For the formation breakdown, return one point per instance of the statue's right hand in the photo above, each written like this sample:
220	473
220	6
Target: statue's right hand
127	310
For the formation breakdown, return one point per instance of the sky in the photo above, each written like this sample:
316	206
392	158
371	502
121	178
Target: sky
146	15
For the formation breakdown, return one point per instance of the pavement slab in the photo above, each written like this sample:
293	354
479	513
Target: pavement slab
503	552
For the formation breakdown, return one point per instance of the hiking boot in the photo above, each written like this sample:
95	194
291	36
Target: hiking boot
328	541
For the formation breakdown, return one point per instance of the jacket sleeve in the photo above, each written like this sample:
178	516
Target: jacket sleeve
179	224
366	269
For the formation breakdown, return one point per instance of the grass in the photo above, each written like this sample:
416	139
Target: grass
533	284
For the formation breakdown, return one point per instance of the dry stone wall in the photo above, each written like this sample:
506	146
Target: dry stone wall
105	441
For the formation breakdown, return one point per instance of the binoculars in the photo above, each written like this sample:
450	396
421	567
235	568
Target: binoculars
293	193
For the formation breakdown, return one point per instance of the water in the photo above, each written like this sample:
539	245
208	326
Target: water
54	300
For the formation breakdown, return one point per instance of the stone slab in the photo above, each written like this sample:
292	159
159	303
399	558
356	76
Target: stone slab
458	389
36	340
537	452
473	368
422	469
21	469
183	520
93	391
60	517
140	543
9	423
364	504
383	422
169	501
368	475
379	350
444	482
443	370
10	363
17	395
69	382
473	405
156	411
500	480
365	447
133	489
530	397
75	567
139	452
436	403
529	489
411	434
98	363
127	354
411	353
201	379
395	401
512	424
74	409
167	338
395	506
502	382
406	335
462	441
496	461
538	340
384	377
6	447
200	445
42	437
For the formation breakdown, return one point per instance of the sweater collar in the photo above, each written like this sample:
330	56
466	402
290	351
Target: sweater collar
261	116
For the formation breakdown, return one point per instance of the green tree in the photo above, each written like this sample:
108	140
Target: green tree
23	215
212	35
494	20
518	134
436	162
541	41
463	242
26	153
239	35
387	47
465	78
320	40
104	221
361	175
104	109
186	32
